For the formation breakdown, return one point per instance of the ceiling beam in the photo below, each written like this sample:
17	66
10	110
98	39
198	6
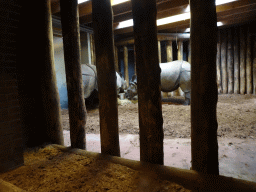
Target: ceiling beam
225	9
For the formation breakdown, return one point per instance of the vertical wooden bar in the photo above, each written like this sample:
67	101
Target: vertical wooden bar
71	41
179	92
248	63
135	71
159	51
242	61
149	85
126	69
236	62
89	48
169	59
204	93
230	62
189	51
116	59
180	50
93	57
104	47
224	61
51	99
254	66
218	65
169	51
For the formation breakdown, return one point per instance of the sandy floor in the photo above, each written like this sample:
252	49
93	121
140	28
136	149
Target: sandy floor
51	170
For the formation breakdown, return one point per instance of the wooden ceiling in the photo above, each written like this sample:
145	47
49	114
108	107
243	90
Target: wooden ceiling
233	13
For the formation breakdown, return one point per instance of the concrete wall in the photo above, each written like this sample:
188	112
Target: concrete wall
60	65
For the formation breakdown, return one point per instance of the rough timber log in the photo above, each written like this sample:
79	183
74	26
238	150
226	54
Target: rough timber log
254	66
149	86
71	41
218	65
93	57
179	92
169	51
230	63
236	62
126	68
104	47
51	100
224	61
204	93
248	63
159	51
135	72
116	59
242	61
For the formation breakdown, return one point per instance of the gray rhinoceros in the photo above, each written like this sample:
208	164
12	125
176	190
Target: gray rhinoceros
90	84
174	74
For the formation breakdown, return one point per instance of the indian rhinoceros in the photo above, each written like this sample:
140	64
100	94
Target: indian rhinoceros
90	84
174	74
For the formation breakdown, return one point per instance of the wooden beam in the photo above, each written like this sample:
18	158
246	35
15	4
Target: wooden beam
236	62
104	47
149	85
204	93
126	68
116	59
218	64
230	11
50	93
248	63
71	42
230	62
159	51
224	61
169	51
254	66
242	60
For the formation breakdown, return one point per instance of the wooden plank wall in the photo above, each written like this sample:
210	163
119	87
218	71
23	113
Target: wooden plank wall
236	58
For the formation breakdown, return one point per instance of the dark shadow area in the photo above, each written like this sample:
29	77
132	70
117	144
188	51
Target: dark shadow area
173	101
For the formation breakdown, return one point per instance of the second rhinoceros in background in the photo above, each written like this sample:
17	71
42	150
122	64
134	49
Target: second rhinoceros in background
90	82
174	74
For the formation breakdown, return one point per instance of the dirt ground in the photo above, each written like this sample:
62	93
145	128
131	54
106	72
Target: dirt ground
48	169
236	116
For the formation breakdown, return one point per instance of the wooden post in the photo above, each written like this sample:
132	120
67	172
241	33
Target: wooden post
254	66
93	57
204	93
51	99
242	60
180	50
135	71
71	41
248	64
189	51
169	59
218	65
159	51
149	85
224	61
126	69
104	45
179	92
236	62
169	51
116	59
230	63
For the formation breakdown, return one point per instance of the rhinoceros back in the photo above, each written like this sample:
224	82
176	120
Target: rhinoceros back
170	73
89	76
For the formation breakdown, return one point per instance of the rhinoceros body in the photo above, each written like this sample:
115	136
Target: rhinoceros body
90	84
173	75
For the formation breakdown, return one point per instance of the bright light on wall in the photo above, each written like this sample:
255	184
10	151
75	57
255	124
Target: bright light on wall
115	2
173	19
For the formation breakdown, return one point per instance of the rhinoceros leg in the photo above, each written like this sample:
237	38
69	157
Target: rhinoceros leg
185	85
